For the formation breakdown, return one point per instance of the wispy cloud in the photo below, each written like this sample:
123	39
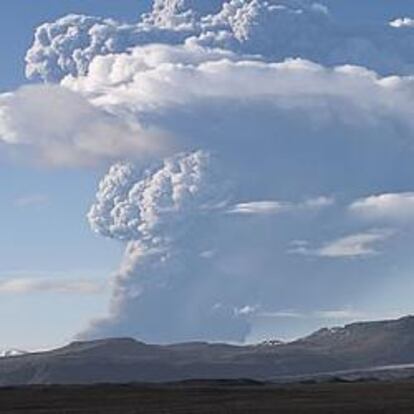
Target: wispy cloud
338	314
278	207
246	310
31	200
353	245
388	206
39	285
341	314
260	207
346	314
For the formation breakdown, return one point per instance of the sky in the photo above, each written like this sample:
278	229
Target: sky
251	185
37	238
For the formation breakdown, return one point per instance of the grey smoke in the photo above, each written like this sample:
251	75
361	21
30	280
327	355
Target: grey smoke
163	215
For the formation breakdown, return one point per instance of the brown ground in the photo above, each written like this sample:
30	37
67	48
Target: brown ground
212	398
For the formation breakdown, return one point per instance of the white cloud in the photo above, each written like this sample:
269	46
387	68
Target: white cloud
396	207
152	77
402	22
351	246
260	207
40	285
341	314
345	314
330	314
60	127
278	207
288	314
126	105
208	254
246	310
317	203
355	245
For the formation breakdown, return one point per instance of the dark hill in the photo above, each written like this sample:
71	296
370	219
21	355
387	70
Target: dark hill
358	346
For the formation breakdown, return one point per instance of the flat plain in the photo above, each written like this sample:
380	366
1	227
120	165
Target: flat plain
212	397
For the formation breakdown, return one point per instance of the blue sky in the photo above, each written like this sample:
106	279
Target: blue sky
45	234
48	237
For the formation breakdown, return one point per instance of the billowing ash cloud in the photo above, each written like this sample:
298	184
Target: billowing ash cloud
172	13
248	134
133	206
158	212
128	77
274	29
68	45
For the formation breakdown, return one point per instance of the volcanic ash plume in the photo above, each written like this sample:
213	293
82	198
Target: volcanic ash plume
162	215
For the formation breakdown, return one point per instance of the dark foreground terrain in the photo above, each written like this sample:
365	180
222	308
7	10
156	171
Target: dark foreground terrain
212	398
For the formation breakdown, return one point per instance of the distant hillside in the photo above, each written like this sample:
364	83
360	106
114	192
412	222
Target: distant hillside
358	346
11	353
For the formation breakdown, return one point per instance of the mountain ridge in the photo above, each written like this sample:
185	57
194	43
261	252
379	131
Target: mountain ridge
355	347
